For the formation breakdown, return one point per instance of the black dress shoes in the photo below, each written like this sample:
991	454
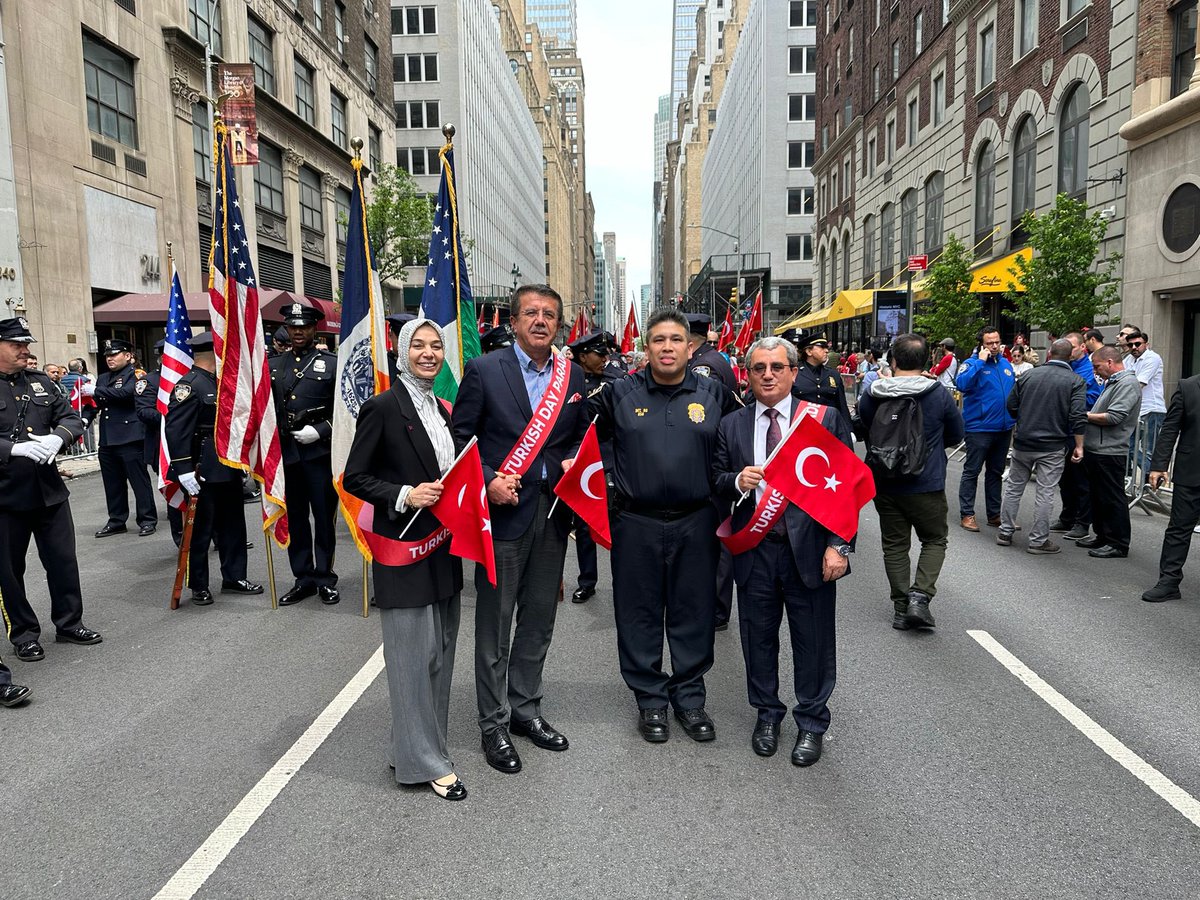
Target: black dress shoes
918	614
13	695
109	530
147	530
696	724
202	597
540	732
78	635
1162	592
808	748
296	594
30	651
765	740
241	586
653	725
1107	552
331	595
1089	543
500	752
583	594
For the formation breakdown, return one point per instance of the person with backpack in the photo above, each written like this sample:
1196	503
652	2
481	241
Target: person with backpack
908	421
985	380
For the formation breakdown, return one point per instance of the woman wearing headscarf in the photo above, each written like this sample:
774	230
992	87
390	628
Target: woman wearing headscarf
402	446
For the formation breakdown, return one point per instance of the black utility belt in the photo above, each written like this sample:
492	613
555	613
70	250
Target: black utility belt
663	514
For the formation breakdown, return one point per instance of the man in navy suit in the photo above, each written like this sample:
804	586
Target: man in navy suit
527	406
794	566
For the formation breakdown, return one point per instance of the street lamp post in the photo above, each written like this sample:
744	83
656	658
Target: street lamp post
516	274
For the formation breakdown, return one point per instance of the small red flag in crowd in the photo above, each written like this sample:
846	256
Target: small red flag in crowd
629	341
585	491
726	331
463	509
752	326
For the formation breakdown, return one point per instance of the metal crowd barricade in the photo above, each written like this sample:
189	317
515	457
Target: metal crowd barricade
850	387
1140	493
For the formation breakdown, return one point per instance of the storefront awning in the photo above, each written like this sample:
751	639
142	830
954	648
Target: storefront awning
331	316
817	317
994	277
849	304
144	309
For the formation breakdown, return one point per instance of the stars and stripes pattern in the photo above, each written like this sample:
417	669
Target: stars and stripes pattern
247	436
177	360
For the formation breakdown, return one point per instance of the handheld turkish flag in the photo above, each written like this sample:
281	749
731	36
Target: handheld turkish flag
840	486
577	329
463	509
726	331
752	326
629	341
585	491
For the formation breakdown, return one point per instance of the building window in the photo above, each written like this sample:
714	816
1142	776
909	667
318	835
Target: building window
341	201
268	178
319	15
261	54
415	67
201	143
1024	169
822	273
833	267
795	247
875	82
985	198
850	51
868	247
339	28
801	107
417	114
872	154
878	12
912	121
418	160
310	200
803	14
890	149
800	201
371	64
918	33
1184	61
305	103
895	59
337	118
373	150
939	98
834	197
846	168
908	225
111	104
987	55
414	20
1026	26
201	27
846	263
1073	143
800	154
801	60
1075	7
887	242
935	190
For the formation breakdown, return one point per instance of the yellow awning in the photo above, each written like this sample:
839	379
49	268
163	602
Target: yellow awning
993	277
817	317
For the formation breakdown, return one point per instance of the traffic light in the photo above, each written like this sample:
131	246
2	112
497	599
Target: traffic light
733	296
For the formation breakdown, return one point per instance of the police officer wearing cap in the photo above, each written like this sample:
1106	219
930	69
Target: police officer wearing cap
496	338
146	407
35	423
706	359
395	322
220	514
304	380
815	381
280	342
121	437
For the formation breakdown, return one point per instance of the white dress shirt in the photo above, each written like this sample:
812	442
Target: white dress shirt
761	423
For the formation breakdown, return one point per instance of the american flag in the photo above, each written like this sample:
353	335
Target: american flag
177	359
247	436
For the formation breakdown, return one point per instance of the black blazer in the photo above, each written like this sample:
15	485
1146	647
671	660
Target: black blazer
1181	426
493	405
391	449
116	395
809	539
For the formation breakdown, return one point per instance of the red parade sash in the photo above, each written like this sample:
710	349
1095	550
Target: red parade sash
391	552
772	505
537	432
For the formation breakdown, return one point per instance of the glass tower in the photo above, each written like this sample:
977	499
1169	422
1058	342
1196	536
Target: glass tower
683	42
557	18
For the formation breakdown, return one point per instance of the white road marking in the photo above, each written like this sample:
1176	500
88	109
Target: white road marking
191	876
1184	803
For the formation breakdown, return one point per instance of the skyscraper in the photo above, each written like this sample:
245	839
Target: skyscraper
555	18
683	42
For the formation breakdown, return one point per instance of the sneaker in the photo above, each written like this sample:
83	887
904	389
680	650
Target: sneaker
969	523
1058	526
1004	540
899	621
1077	533
1044	549
918	615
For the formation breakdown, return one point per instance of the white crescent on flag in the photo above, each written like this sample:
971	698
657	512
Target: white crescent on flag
802	458
586	479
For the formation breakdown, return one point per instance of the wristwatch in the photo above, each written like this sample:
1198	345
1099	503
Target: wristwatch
844	549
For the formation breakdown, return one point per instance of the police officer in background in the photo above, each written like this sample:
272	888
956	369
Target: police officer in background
121	437
280	342
815	381
220	515
35	423
303	380
146	407
496	338
395	322
706	359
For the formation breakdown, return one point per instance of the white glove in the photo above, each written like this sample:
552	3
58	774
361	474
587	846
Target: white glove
87	388
52	442
190	482
306	435
35	450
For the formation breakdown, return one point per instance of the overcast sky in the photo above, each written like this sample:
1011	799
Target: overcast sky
625	46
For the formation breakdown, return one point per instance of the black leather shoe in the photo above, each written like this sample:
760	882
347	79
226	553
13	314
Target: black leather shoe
202	597
13	695
296	594
147	530
1108	553
696	723
582	594
108	530
455	791
541	732
900	621
329	596
241	586
500	752
1161	592
765	740
78	635
30	651
653	725
808	748
918	615
1088	543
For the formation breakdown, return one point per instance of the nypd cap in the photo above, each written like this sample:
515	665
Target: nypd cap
201	341
117	345
699	323
301	314
16	329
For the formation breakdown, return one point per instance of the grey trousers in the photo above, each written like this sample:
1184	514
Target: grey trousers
1044	468
418	649
508	661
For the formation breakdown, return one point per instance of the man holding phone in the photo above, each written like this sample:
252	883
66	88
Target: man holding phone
985	380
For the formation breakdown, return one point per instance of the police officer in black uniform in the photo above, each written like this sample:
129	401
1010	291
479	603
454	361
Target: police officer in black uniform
121	437
280	342
663	425
146	407
35	423
303	381
395	322
706	358
496	338
815	381
220	514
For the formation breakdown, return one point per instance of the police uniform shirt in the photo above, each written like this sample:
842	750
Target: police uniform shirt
303	382
191	417
116	395
29	405
708	360
594	386
821	384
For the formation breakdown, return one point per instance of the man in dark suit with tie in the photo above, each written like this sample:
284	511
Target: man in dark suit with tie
527	407
1180	435
794	566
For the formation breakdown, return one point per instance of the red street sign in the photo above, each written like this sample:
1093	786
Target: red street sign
918	263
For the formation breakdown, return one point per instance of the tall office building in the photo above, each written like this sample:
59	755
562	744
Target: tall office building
555	19
662	131
683	42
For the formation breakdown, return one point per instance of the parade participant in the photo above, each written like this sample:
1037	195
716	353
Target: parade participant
616	362
402	446
146	407
815	381
985	380
525	404
1180	427
280	342
395	322
11	694
1075	520
591	352
1111	424
705	358
121	436
663	426
303	381
35	424
496	338
220	517
793	567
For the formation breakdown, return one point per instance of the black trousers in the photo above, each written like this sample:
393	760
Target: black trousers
123	465
776	586
220	519
53	531
310	491
665	572
585	552
724	585
1110	509
1075	491
1185	514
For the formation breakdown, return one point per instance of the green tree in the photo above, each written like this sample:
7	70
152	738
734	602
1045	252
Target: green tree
1065	287
399	222
951	310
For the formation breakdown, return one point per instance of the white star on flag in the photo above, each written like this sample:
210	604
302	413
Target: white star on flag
437	229
433	282
831	483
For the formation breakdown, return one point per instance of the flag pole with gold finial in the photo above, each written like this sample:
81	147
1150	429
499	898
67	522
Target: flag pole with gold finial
356	145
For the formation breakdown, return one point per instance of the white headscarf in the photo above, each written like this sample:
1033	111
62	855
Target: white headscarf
403	343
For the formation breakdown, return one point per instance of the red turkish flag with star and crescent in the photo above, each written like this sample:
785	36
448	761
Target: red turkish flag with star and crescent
463	509
585	491
822	476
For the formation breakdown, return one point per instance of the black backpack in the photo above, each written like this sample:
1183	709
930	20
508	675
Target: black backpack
896	439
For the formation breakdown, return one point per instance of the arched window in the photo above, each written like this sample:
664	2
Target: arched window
846	263
833	266
1073	143
887	244
1024	186
908	225
868	247
985	198
935	190
822	273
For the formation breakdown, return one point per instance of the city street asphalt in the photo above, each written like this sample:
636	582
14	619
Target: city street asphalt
944	775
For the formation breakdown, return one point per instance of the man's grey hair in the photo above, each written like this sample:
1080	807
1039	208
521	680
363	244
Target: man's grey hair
770	343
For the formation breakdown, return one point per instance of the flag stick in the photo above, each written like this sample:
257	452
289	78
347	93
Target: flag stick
554	505
366	590
271	566
783	440
416	514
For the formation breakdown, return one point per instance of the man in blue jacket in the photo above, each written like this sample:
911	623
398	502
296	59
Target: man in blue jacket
985	380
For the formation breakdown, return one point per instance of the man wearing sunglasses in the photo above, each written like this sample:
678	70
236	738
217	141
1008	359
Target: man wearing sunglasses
815	381
1147	366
